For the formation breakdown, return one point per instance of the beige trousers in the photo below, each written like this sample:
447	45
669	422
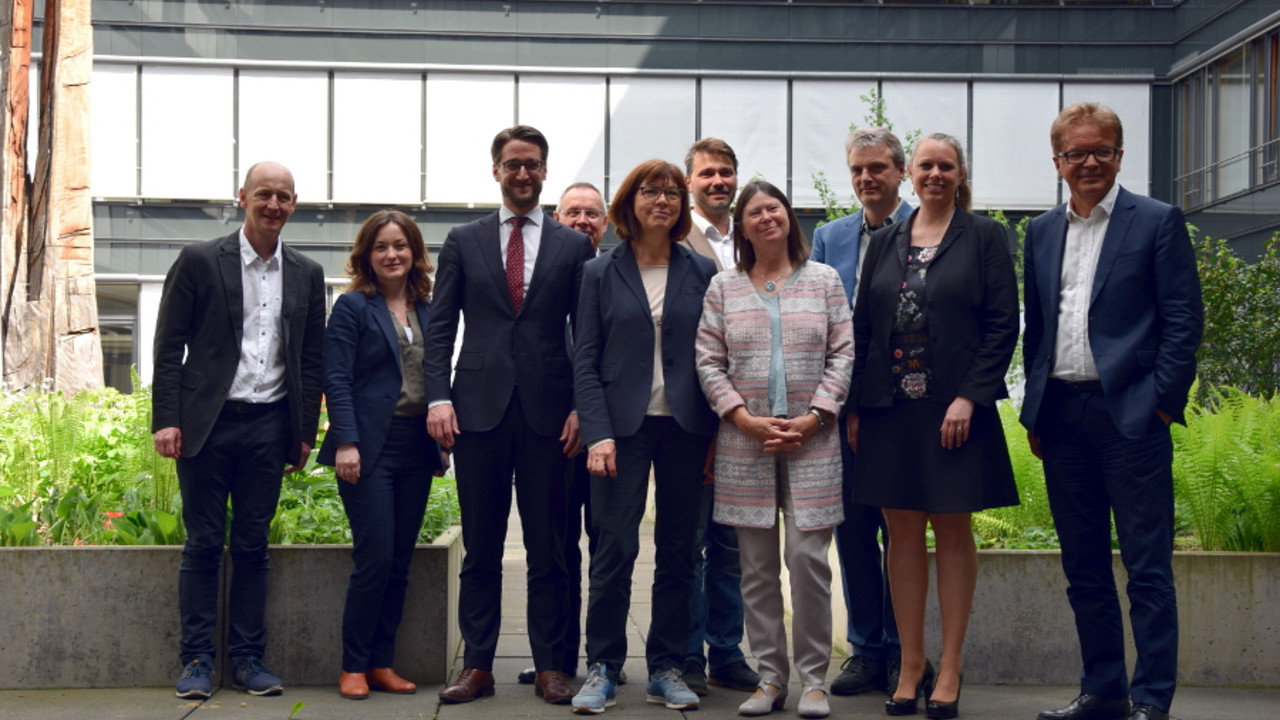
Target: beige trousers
806	556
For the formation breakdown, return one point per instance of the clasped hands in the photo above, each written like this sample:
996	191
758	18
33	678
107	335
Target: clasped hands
776	434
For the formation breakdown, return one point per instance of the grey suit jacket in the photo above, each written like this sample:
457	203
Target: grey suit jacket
697	241
198	334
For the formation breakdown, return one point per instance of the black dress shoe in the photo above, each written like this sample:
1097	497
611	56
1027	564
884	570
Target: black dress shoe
1090	707
1142	711
527	676
935	710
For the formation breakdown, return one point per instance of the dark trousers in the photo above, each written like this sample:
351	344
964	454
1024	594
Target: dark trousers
578	482
1092	472
243	460
617	506
385	509
716	602
872	630
486	461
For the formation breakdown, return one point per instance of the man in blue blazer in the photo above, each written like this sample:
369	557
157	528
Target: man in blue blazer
239	350
1113	320
877	163
514	275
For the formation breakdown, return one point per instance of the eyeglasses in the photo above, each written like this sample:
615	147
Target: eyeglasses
1102	154
649	192
513	166
575	213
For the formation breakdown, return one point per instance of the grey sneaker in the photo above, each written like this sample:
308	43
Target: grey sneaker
196	682
254	678
695	676
666	688
736	675
597	693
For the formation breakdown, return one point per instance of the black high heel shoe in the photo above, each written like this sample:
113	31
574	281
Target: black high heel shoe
945	710
910	706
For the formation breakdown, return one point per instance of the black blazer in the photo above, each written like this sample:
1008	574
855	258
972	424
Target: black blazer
504	351
1145	311
362	377
613	360
972	310
198	333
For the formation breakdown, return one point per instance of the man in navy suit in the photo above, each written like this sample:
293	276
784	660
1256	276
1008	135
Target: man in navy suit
877	163
239	352
1113	320
514	275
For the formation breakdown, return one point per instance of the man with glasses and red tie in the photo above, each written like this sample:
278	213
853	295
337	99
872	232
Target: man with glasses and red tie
514	275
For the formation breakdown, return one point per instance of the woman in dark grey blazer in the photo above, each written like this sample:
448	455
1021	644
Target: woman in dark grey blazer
934	325
640	407
377	440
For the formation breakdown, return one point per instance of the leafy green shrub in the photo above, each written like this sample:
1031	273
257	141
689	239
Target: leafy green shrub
1241	346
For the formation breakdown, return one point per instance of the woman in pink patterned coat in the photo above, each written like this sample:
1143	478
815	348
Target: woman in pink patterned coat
775	354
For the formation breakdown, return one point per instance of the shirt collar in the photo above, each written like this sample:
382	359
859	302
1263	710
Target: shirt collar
1106	205
248	254
704	225
534	216
889	219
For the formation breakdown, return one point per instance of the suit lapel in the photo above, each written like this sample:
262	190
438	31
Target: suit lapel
624	262
382	317
491	255
698	242
290	288
959	222
677	268
549	246
233	283
1049	258
1117	230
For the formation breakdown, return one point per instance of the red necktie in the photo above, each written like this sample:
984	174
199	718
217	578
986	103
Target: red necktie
515	261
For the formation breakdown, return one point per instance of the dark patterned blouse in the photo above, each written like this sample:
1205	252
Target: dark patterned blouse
909	342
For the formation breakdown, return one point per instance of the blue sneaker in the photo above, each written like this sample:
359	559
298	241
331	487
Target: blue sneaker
597	693
666	687
254	678
197	680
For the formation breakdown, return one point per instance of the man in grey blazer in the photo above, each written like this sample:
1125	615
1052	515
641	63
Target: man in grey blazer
877	163
711	173
235	399
508	408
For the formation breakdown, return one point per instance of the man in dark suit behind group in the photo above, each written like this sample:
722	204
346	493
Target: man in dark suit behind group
514	275
1113	320
235	398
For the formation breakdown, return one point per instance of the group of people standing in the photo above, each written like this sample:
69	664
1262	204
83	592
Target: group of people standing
778	395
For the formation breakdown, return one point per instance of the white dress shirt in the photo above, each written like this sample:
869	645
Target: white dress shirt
260	372
1073	358
721	244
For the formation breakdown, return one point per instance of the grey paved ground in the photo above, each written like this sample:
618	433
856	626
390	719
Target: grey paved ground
517	701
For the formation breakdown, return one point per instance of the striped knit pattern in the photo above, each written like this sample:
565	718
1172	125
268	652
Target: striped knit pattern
733	347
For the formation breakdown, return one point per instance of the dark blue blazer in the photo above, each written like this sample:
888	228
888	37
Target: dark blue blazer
362	378
837	244
504	351
1145	314
613	359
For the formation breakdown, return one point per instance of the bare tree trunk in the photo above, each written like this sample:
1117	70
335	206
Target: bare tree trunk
51	317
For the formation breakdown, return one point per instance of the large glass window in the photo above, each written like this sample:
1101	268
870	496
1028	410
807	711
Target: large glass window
115	131
188	135
1231	122
570	112
1010	120
284	116
117	320
651	117
464	112
750	115
377	131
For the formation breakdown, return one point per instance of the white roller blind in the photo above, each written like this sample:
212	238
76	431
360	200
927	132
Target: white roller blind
821	113
187	135
927	107
650	118
750	115
1132	102
284	116
377	138
464	112
571	112
114	131
1010	121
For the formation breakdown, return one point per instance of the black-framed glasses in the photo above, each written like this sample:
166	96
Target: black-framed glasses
649	192
1102	154
513	166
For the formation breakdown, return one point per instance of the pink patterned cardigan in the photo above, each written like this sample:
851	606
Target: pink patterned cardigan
733	349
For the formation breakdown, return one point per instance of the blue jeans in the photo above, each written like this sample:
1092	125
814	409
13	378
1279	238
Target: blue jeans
385	510
243	460
872	630
617	506
716	603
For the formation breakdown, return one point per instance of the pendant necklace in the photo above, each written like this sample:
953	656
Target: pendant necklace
771	285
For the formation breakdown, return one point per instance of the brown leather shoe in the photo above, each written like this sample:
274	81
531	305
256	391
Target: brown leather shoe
553	686
471	684
386	680
353	686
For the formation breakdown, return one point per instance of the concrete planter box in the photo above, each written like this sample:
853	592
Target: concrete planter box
108	616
